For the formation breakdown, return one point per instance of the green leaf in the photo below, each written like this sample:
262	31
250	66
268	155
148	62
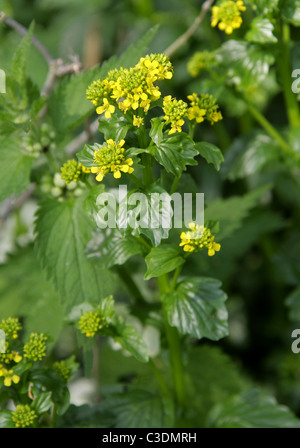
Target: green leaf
253	409
293	304
261	31
42	310
162	260
156	131
6	420
250	155
15	167
132	341
63	232
246	64
86	155
210	386
231	212
20	57
290	11
116	127
116	249
211	153
141	408
175	152
42	402
197	308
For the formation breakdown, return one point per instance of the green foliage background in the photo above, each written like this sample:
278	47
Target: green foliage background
254	193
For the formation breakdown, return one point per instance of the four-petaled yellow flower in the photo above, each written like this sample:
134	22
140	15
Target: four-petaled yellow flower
9	376
227	15
110	158
106	108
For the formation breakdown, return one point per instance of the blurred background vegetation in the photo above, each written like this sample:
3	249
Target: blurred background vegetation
259	263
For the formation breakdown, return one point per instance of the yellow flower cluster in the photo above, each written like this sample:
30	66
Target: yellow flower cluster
175	111
110	158
11	326
24	416
131	89
199	237
203	107
71	171
35	348
90	323
227	15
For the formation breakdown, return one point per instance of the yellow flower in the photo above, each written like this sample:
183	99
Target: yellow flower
106	108
227	15
199	237
203	107
137	121
90	323
9	376
110	158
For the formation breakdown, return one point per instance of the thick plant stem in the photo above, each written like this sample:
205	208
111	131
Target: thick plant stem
175	349
285	70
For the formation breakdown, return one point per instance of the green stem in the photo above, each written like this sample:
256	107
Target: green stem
285	69
174	185
175	277
148	174
159	378
175	349
271	130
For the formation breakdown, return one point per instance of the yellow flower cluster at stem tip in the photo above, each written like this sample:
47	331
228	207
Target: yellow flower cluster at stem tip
197	238
110	158
203	107
11	327
24	416
227	15
35	348
131	89
71	171
62	369
175	111
90	323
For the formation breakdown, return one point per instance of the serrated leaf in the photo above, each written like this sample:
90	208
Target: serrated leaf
132	341
42	309
175	152
231	212
246	64
253	409
249	155
197	308
20	58
162	260
261	31
116	249
141	408
211	153
290	11
63	232
15	167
